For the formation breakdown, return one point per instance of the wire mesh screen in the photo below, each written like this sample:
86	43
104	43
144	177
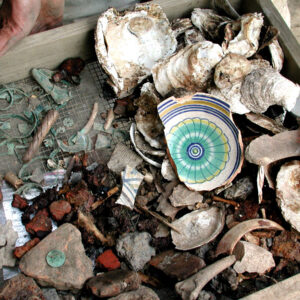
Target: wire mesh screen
73	117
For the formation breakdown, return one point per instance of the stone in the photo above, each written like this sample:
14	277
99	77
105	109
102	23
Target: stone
20	251
240	190
142	293
252	258
50	294
177	264
19	202
59	209
113	283
76	269
21	287
166	208
40	225
182	196
122	157
8	240
108	260
135	248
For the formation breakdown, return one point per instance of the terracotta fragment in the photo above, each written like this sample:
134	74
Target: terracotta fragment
108	260
59	209
19	202
40	225
20	251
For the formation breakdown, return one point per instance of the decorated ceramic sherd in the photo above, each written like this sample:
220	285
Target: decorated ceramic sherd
203	142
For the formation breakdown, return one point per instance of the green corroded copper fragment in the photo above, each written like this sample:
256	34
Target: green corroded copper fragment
55	258
43	77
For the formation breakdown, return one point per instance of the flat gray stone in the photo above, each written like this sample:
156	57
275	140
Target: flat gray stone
135	248
76	269
50	294
122	157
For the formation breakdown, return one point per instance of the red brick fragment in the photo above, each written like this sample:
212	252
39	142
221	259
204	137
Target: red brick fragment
108	260
40	225
19	202
20	251
59	209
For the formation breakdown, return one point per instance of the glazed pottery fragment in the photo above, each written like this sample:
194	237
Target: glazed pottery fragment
131	179
204	144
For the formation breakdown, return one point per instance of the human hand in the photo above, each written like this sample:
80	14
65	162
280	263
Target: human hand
19	18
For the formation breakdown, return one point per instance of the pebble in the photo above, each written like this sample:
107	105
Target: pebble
113	283
142	293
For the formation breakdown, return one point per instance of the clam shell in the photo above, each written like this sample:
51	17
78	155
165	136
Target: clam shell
208	22
129	44
288	192
204	144
265	87
232	68
191	68
198	228
247	41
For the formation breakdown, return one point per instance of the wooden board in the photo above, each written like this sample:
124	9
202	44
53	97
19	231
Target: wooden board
48	49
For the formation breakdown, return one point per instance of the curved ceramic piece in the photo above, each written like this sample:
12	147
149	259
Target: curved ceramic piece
129	44
203	142
265	87
190	68
198	227
247	40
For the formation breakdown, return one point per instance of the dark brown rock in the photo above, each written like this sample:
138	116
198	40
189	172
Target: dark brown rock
19	202
142	293
76	269
176	264
59	209
21	287
20	251
40	225
79	195
113	283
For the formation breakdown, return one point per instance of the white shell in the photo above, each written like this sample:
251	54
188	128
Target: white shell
146	117
247	41
179	26
208	22
265	87
198	228
191	68
277	55
288	192
232	68
231	95
193	36
129	44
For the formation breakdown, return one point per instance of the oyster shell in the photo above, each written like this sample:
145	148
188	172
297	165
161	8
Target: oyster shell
129	44
265	87
179	26
277	55
191	68
288	192
193	36
231	95
232	68
247	41
146	117
198	227
208	22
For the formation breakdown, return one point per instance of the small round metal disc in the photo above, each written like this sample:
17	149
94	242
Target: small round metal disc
55	258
